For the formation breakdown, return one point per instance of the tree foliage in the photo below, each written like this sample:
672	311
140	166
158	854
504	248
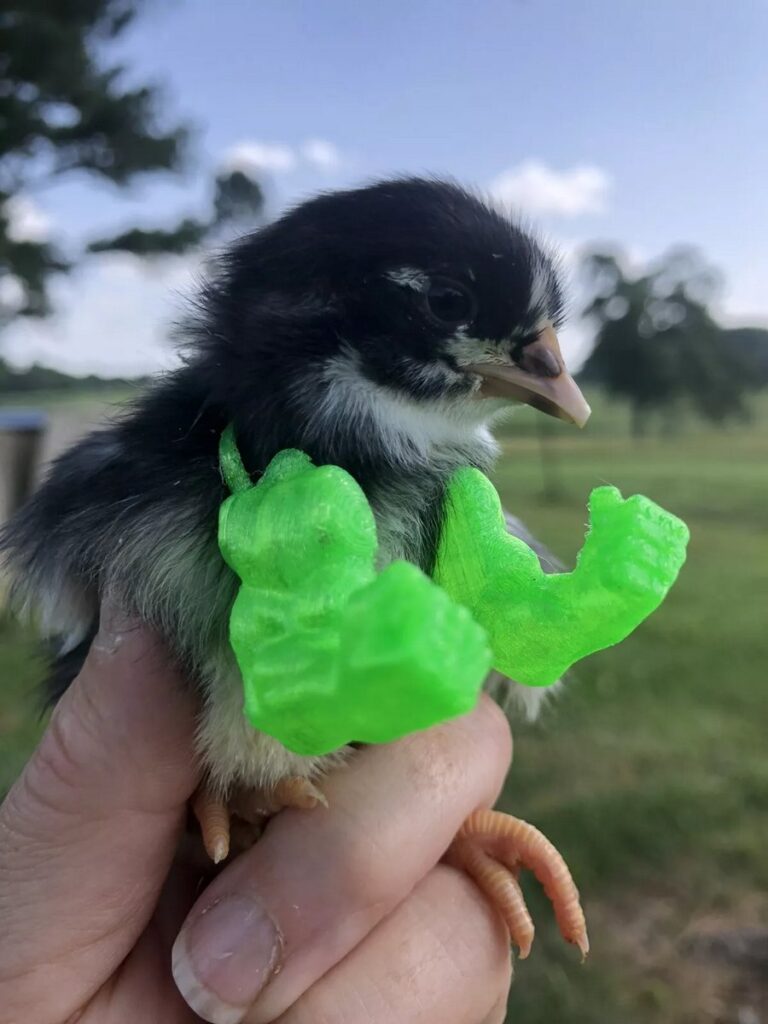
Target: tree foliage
64	108
61	104
752	345
38	378
238	199
657	343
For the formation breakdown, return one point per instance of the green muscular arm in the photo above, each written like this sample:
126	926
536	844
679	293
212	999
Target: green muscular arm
538	624
330	651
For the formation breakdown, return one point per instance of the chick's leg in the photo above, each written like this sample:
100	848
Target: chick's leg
492	848
291	791
212	816
251	809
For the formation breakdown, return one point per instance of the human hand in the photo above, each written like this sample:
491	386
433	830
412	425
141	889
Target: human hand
334	916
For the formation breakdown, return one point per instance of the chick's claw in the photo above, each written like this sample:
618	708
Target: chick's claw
212	814
500	885
291	791
492	848
243	816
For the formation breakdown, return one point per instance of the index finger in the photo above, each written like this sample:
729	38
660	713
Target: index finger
318	882
88	831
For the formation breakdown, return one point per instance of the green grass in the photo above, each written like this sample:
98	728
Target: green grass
21	667
54	400
650	772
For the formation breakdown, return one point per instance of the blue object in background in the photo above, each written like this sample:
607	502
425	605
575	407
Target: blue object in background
22	420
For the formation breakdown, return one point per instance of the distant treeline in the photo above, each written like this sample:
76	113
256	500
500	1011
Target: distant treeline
43	378
752	343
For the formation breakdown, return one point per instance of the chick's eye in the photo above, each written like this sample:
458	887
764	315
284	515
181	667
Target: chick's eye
449	302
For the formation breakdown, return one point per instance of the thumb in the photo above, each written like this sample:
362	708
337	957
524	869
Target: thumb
88	831
602	503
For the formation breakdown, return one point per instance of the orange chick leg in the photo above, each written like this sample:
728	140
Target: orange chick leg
214	813
492	848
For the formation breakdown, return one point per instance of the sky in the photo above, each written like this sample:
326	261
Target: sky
615	122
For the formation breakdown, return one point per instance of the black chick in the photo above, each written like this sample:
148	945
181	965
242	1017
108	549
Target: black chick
382	330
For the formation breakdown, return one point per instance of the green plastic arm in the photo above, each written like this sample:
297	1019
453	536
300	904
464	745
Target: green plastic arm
329	651
538	624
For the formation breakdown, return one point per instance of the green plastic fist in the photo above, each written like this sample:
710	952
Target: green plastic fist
538	624
329	651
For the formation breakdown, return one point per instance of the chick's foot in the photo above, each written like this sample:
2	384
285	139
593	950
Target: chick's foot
236	823
492	848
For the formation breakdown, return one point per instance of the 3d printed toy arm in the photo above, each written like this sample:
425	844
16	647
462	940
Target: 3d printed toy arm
538	624
330	651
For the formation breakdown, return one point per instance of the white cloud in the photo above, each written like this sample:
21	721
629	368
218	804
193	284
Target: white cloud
27	222
322	154
12	293
255	157
538	189
113	317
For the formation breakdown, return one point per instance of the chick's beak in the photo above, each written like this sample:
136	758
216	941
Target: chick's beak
539	379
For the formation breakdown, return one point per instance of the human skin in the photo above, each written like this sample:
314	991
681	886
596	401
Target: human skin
335	916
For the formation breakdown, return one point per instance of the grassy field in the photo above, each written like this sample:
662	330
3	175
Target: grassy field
651	771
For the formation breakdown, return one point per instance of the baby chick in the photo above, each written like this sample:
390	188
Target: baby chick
382	330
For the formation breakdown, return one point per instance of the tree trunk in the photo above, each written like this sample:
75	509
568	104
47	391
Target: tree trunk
639	420
672	421
552	484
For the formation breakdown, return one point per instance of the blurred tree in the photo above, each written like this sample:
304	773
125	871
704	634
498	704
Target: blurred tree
155	241
61	110
657	344
238	201
752	342
64	108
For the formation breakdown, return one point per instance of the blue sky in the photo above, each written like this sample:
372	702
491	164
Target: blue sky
640	123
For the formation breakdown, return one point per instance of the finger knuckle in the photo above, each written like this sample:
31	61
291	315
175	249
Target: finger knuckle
471	754
498	731
366	873
57	766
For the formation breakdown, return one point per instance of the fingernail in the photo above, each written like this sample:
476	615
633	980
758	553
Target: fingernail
225	956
